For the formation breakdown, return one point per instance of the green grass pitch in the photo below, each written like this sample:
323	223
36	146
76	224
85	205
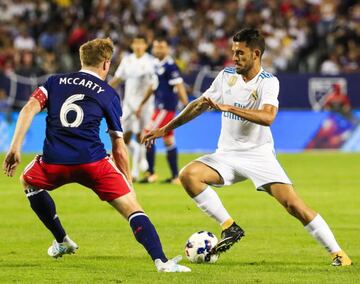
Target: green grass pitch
276	248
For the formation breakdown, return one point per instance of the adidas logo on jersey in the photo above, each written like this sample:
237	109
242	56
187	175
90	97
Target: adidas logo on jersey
254	96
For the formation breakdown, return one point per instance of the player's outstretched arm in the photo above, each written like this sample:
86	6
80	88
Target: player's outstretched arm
13	157
192	110
120	156
264	116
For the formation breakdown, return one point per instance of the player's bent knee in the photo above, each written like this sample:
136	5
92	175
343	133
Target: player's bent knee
189	174
192	180
126	204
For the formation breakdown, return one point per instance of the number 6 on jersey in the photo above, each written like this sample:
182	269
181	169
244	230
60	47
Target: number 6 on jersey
69	105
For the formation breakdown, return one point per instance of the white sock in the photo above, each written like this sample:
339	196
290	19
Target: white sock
131	147
134	148
143	163
209	202
322	233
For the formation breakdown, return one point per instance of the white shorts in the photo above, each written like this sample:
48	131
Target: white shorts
130	123
259	165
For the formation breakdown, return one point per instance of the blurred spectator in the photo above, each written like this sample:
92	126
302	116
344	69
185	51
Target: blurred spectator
330	65
23	41
298	33
327	16
50	38
27	66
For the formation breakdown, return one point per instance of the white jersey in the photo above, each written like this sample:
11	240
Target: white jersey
238	134
138	74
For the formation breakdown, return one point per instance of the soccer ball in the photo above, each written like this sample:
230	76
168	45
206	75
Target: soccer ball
198	247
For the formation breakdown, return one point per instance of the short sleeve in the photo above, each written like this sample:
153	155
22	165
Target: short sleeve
269	92
214	92
113	115
120	71
174	75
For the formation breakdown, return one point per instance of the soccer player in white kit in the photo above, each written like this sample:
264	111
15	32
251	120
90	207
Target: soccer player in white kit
138	71
247	97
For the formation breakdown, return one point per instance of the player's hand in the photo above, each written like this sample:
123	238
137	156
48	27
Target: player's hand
149	138
216	106
12	160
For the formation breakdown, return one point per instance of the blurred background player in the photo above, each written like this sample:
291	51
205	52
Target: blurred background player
168	92
137	71
76	104
247	97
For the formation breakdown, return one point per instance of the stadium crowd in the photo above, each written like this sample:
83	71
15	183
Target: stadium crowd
42	37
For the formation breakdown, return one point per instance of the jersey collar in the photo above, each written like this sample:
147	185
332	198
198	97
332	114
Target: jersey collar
166	59
253	79
91	73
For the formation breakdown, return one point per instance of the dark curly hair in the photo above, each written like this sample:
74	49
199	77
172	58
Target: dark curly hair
252	38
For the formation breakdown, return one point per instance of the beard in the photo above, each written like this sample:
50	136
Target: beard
243	69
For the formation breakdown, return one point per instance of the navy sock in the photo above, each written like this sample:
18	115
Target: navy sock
145	233
150	157
172	160
44	207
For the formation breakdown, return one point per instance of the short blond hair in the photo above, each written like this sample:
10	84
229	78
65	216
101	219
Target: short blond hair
95	51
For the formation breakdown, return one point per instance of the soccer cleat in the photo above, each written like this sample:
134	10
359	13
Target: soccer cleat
171	265
340	259
59	249
149	178
229	237
175	181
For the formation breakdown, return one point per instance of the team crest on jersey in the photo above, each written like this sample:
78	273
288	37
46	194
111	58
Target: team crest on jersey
232	80
254	96
160	70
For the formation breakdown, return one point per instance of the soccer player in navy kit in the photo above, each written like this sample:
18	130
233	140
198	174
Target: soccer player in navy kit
73	152
168	92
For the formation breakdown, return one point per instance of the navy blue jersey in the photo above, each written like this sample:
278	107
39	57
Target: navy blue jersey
169	75
76	104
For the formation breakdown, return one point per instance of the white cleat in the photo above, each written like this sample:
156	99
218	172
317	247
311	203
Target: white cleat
171	265
59	249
